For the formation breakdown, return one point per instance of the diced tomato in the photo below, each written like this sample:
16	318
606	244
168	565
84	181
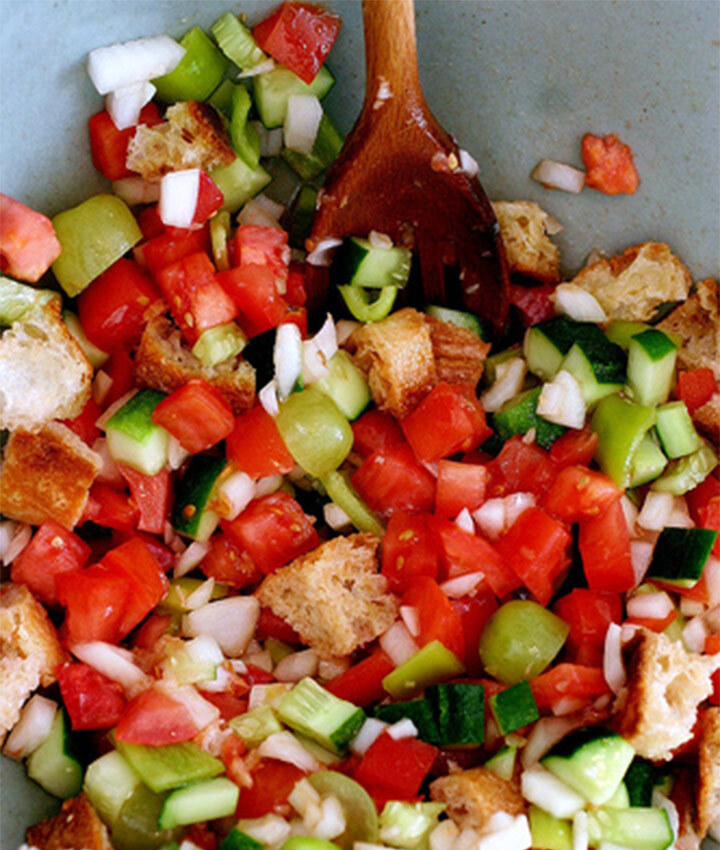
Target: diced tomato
108	145
152	630
255	675
230	706
84	424
696	387
699	592
196	300
150	223
200	835
135	562
604	543
609	164
272	783
441	424
151	495
120	369
227	563
171	246
197	415
295	292
710	518
270	625
474	612
532	302
653	623
92	700
568	680
462	553
209	200
398	767
702	496
164	556
299	36
113	308
391	479
587	655
579	492
296	316
588	613
110	508
574	448
28	244
375	430
273	531
95	600
263	246
536	546
154	719
361	684
520	468
437	619
459	485
255	446
254	292
51	551
409	549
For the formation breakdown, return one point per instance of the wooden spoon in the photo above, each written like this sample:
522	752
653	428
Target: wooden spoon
399	173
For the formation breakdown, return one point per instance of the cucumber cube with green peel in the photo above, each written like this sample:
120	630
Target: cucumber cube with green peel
547	343
502	764
687	472
634	828
345	385
647	463
358	263
621	331
218	344
255	725
419	711
134	439
639	781
239	183
327	146
271	92
597	365
651	366
198	802
109	782
191	514
459	711
238	840
514	707
53	765
680	555
676	431
518	415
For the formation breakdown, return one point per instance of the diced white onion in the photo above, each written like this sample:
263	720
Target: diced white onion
514	837
653	606
398	643
552	226
336	517
101	386
202	712
267	485
119	65
577	303
468	164
230	621
694	634
304	798
559	175
443	836
467	840
411	619
641	552
287	358
561	401
21	535
115	663
271	830
490	518
330	668
261	659
173	540
267	397
580	835
204	649
201	595
109	412
271	207
135	190
456	588
271	141
344	328
656	510
296	666
369	732
177	455
543	737
332	819
235	494
262	68
711	574
321	255
691	607
318	351
660	801
680	515
109	472
223	681
267	694
33	727
285	747
630	512
508	383
497	821
379	240
515	505
255	214
302	120
404	728
124	104
179	196
465	522
613	666
7	532
566	705
545	790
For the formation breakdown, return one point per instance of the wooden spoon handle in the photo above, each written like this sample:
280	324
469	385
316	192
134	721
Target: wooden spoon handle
390	52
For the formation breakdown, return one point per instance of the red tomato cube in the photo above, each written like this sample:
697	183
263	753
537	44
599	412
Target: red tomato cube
255	245
375	430
154	719
197	415
579	492
398	767
151	494
443	423
255	294
95	601
361	684
391	479
209	200
92	700
226	562
171	245
604	543
436	617
28	244
588	613
520	468
108	145
459	485
409	549
255	446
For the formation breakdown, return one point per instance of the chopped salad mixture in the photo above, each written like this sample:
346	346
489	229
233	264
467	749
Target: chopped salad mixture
365	580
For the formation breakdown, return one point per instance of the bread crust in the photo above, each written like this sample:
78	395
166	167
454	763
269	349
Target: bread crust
708	793
529	249
76	827
459	353
474	796
697	321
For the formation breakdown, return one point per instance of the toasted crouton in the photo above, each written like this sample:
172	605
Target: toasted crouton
30	652
333	597
707	418
459	353
523	225
163	363
632	284
44	374
76	827
396	354
193	136
47	475
473	796
708	795
698	323
657	712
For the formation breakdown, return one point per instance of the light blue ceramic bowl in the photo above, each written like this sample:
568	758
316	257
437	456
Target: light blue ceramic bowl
514	81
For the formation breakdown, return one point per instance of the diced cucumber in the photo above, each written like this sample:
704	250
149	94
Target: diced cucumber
301	216
407	825
272	90
238	183
318	714
461	318
636	828
308	842
96	357
236	42
136	826
547	343
368	305
621	331
502	764
514	707
109	782
244	138
518	416
218	344
18	299
687	472
420	711
620	799
345	385
432	664
191	513
639	781
647	462
238	840
651	366
357	262
676	430
255	725
201	801
598	366
166	767
680	555
592	761
134	439
490	371
549	832
52	765
459	712
327	146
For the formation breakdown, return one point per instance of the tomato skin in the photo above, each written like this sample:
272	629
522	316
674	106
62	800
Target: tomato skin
152	630
270	625
299	36
588	613
437	619
459	485
51	551
296	316
255	446
604	543
409	549
112	309
151	494
653	624
702	496
263	246
397	767
568	680
171	246
579	492
120	369
196	414
609	164
520	468
84	424
272	783
92	700
95	600
209	200
696	387
532	302
227	563
28	244
254	291
710	518
154	719
295	293
230	706
375	430
273	531
108	145
474	611
361	684
109	508
574	448
164	556
391	479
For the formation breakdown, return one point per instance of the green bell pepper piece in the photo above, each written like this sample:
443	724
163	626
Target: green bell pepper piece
620	425
687	472
346	497
432	664
198	73
364	306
